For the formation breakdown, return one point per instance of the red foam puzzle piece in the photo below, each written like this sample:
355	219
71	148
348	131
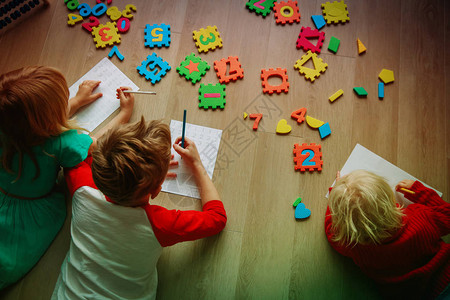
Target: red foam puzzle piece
305	34
303	160
235	73
267	88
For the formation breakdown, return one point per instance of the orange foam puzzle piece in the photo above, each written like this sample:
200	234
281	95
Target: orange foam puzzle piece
267	88
299	115
308	157
235	73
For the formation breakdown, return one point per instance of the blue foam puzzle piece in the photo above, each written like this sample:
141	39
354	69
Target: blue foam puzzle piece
381	90
149	68
160	36
115	51
301	212
324	130
319	21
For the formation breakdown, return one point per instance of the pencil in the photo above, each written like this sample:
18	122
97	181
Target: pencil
408	191
184	129
140	92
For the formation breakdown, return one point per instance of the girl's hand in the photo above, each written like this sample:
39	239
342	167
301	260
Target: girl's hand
84	96
406	184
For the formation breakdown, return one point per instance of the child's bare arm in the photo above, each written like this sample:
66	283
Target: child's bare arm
84	96
190	155
126	109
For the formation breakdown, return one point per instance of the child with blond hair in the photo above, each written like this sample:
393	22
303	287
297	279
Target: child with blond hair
400	247
117	236
36	139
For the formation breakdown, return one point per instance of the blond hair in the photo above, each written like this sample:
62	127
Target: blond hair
33	107
131	161
363	209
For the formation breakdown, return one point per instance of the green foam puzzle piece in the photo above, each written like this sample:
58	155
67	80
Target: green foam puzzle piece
212	96
193	68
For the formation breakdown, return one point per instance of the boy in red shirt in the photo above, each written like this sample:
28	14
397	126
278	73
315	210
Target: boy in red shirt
401	248
116	235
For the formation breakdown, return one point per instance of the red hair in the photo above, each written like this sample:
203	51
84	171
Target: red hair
33	107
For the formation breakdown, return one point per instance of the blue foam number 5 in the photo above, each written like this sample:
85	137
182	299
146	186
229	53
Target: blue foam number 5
211	39
307	161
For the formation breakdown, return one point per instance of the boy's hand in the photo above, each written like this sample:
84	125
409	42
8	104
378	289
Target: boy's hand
406	184
189	153
126	99
338	175
171	164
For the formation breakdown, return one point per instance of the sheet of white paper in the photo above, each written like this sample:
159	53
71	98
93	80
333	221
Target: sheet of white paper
208	142
363	159
111	78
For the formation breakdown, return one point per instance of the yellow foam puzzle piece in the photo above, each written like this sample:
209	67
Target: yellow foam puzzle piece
361	47
314	123
106	35
311	74
335	12
207	39
283	127
386	76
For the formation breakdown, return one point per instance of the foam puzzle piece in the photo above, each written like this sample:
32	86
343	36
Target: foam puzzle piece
73	19
307	33
193	68
361	47
380	90
123	25
299	115
283	127
257	118
360	91
319	21
72	4
336	95
115	51
324	130
260	7
335	12
105	35
308	157
157	35
212	96
235	70
286	12
149	68
245	115
301	212
313	123
296	202
278	72
387	76
311	74
207	39
333	45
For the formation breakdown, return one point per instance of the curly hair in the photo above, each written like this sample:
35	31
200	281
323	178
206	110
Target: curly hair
363	209
131	161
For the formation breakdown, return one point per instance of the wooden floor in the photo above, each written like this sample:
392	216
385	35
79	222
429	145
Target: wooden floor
264	253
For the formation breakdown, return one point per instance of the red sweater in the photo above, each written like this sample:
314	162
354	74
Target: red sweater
415	259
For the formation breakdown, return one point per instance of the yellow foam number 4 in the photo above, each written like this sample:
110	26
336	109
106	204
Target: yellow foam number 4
158	37
73	19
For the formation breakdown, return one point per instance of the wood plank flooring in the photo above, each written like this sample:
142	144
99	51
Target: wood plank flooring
264	253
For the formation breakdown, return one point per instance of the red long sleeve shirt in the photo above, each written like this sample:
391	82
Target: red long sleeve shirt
416	257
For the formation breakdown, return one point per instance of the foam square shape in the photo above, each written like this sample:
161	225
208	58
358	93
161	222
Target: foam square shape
282	17
324	130
193	68
157	35
212	96
260	7
149	68
207	39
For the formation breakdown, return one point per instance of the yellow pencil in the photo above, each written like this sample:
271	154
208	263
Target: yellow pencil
408	191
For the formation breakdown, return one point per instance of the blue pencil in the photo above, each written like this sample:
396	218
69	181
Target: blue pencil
184	129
